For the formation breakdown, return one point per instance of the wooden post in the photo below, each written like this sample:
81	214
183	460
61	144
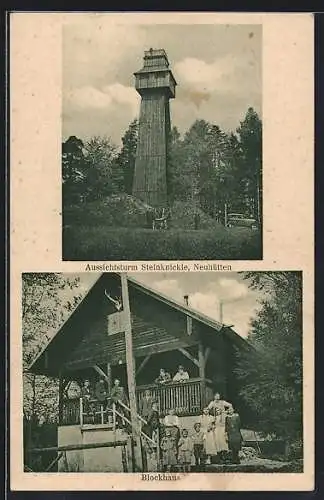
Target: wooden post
81	412
114	419
130	366
60	402
109	377
158	458
201	359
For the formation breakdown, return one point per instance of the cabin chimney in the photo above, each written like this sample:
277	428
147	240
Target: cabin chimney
186	299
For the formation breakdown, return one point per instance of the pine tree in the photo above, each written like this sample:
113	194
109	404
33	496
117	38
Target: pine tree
250	138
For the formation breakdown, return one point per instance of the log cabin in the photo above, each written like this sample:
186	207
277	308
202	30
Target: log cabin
165	333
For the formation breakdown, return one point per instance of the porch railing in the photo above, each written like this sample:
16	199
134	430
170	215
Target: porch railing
185	398
79	411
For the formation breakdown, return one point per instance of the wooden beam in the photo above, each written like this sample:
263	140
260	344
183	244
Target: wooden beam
61	395
101	372
140	351
143	363
109	381
130	366
189	325
188	355
201	358
207	352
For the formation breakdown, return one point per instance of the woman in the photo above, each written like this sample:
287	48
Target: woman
163	378
153	422
220	436
218	403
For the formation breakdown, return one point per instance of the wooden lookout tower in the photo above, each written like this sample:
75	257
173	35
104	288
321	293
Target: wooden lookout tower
156	85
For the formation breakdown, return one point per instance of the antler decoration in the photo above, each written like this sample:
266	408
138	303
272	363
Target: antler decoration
117	303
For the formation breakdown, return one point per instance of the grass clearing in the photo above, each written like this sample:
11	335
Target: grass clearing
101	242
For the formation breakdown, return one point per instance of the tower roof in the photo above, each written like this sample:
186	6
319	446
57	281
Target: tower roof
155	61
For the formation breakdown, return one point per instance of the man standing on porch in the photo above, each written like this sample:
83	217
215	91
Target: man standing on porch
117	395
145	405
101	391
86	391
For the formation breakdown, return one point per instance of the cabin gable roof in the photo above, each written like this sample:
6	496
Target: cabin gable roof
158	323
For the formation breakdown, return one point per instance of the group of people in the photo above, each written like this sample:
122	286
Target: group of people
101	394
215	437
164	377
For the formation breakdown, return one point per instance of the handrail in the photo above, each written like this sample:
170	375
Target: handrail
128	409
141	432
74	447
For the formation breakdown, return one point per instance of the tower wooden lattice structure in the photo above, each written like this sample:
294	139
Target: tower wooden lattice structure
156	85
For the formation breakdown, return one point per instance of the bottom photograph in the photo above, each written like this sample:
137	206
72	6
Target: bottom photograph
162	372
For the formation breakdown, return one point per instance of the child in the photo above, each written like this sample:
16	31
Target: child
168	448
205	420
185	448
210	442
198	443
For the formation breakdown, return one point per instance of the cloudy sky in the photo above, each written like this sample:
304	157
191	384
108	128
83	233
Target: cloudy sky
205	290
217	67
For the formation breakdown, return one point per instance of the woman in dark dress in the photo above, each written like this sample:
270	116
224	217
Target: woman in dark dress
153	421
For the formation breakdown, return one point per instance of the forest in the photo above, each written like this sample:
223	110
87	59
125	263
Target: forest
206	166
210	172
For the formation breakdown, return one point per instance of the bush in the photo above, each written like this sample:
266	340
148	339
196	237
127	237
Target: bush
117	210
294	450
124	210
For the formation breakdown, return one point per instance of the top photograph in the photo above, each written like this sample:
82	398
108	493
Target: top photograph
161	141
